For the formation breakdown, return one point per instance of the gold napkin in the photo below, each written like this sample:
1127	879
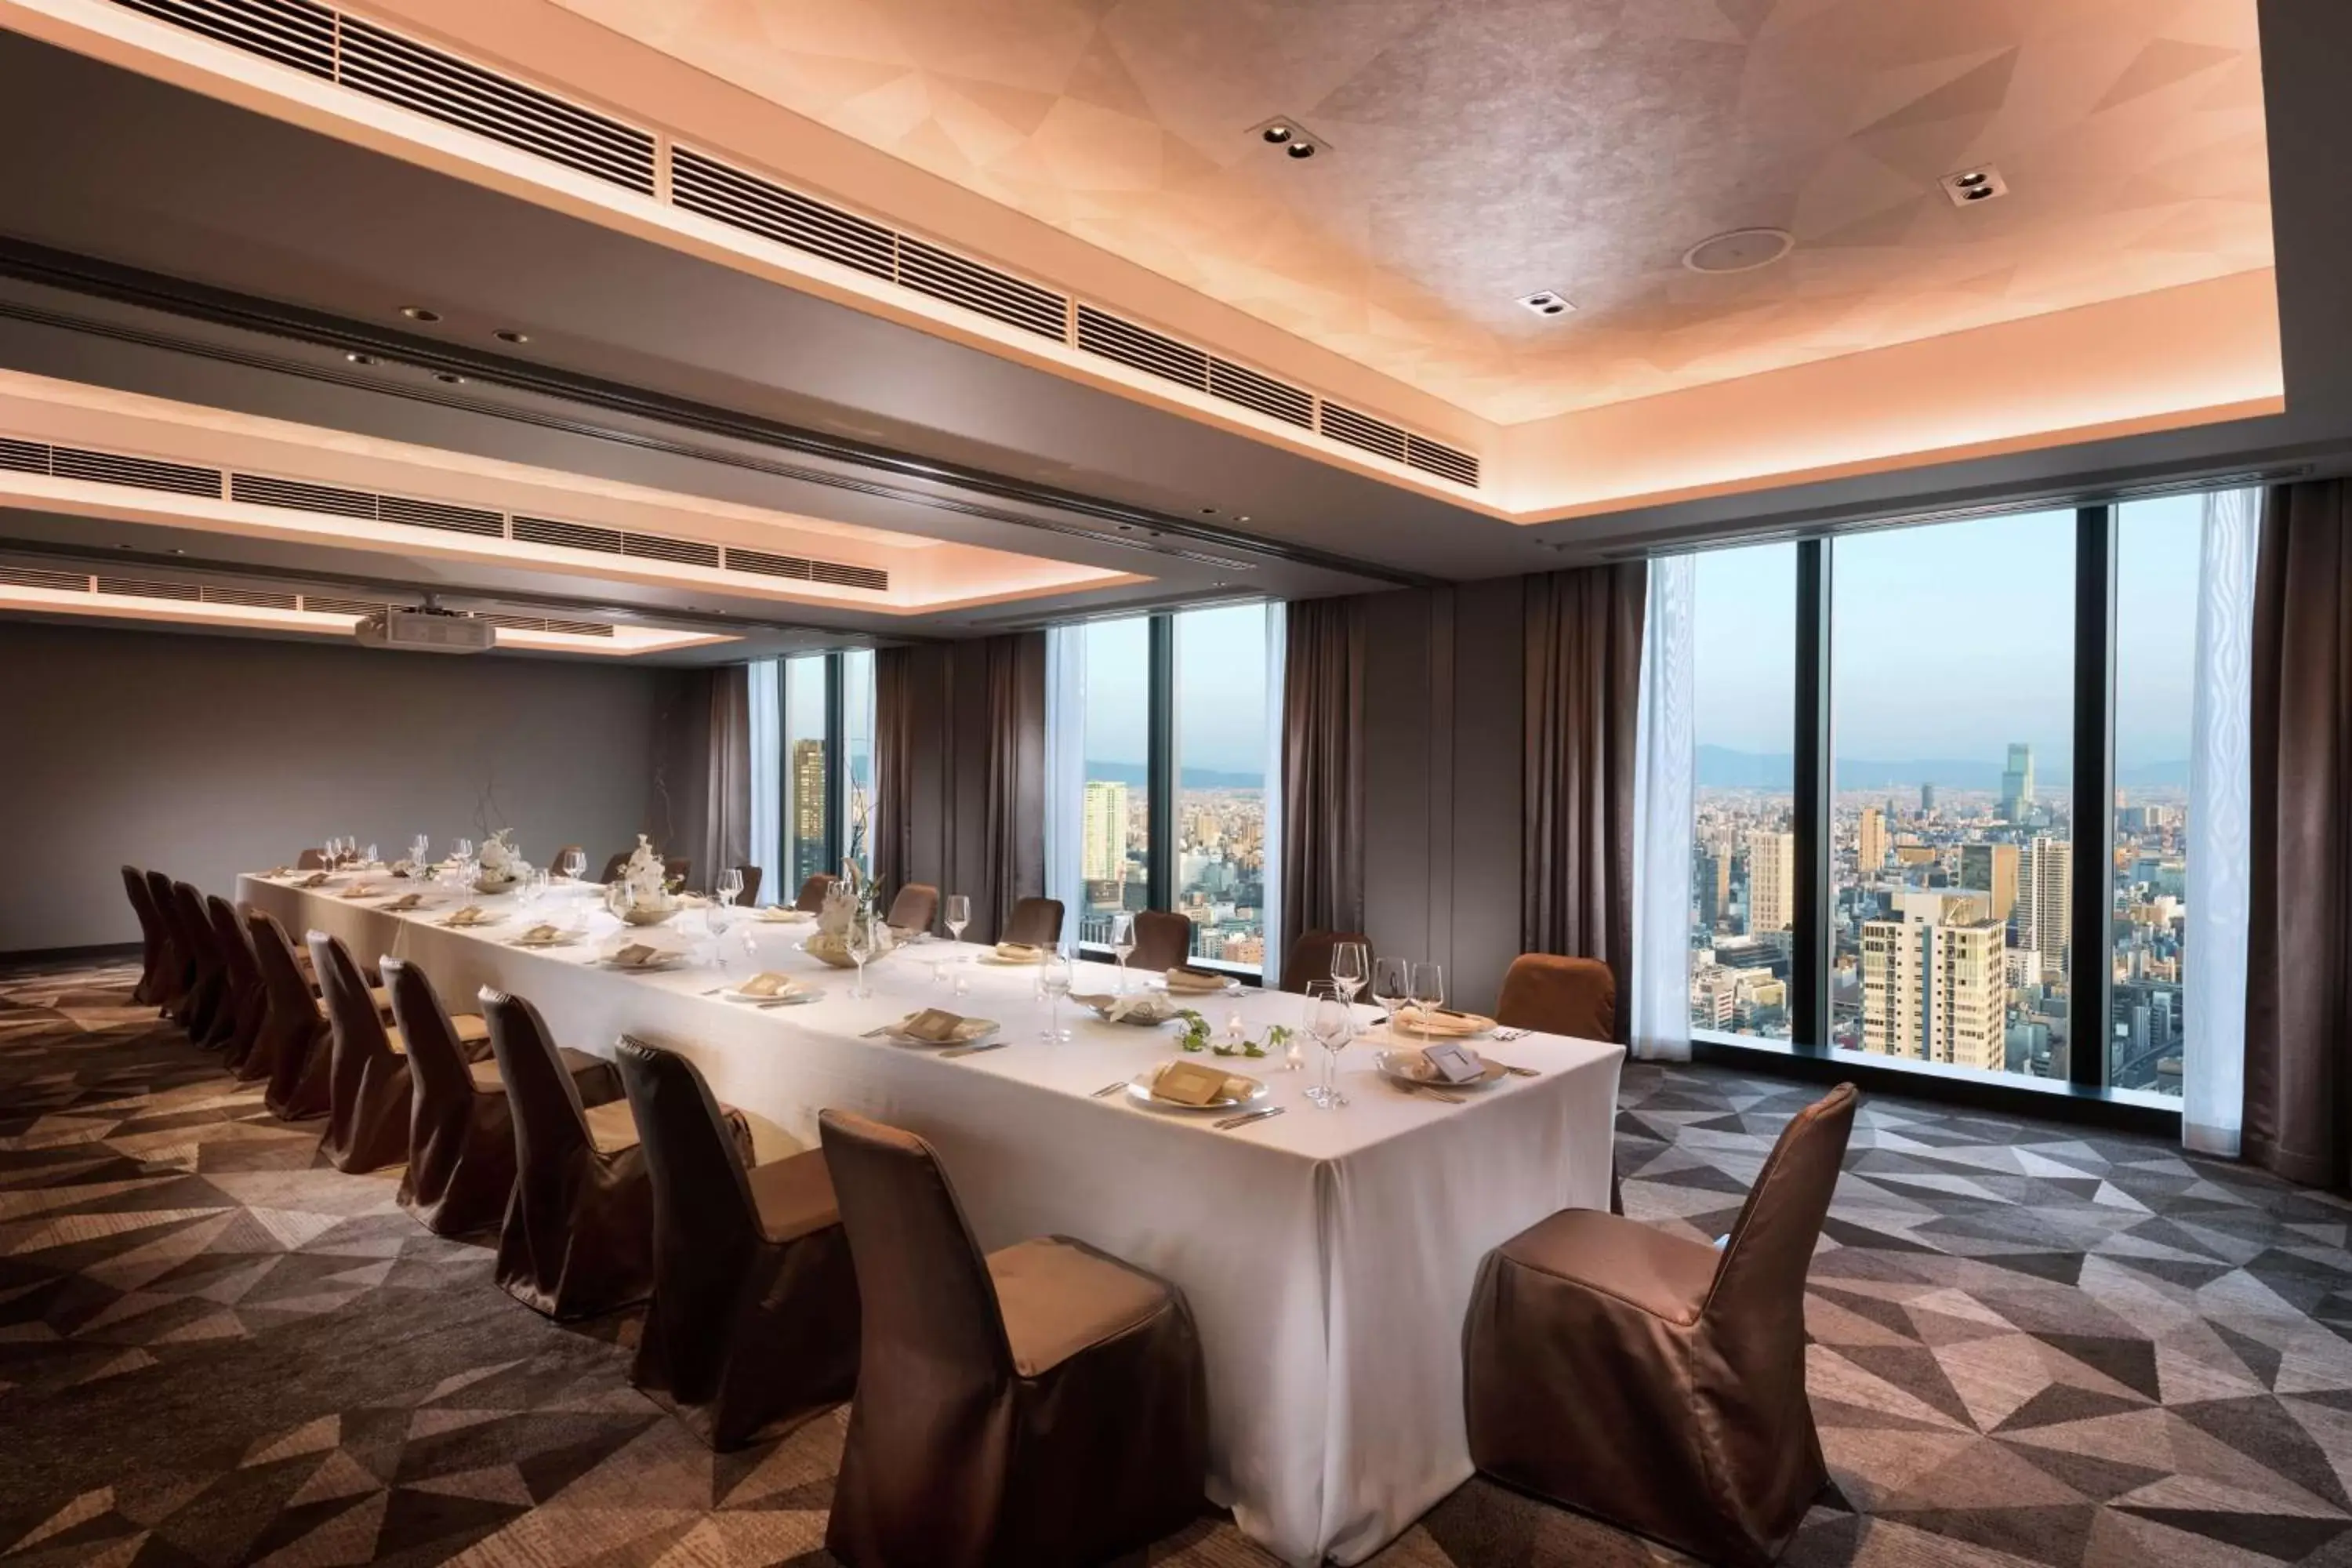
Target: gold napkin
362	891
1442	1023
635	955
1019	953
768	983
1185	978
1191	1083
933	1026
315	879
409	901
540	936
471	915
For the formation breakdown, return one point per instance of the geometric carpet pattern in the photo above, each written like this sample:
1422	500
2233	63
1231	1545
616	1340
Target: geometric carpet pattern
2030	1345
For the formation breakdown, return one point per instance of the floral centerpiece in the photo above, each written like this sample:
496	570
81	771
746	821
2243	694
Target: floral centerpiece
642	894
853	902
500	864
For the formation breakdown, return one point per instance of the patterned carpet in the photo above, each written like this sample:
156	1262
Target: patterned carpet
2032	1346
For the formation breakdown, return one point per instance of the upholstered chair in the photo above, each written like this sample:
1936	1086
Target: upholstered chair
753	1326
242	996
154	942
179	963
1555	995
914	909
461	1145
368	1090
208	1019
310	860
749	896
578	1235
1651	1380
1042	1406
289	1048
1309	958
615	867
1036	921
811	898
1163	939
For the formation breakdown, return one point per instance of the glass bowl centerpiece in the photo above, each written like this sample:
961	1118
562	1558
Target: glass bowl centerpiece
642	895
851	904
500	865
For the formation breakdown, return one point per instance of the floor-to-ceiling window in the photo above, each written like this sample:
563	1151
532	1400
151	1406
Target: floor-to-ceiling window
855	793
807	844
827	772
1115	821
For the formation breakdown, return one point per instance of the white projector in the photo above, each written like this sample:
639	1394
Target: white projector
426	631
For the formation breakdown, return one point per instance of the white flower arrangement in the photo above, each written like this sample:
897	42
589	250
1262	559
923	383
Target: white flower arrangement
502	864
849	904
642	895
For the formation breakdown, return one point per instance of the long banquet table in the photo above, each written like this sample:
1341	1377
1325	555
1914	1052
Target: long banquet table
1327	1256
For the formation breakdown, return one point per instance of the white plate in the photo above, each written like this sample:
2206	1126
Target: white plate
787	999
1138	1089
970	1031
527	943
1100	1008
1399	1067
994	957
650	966
775	915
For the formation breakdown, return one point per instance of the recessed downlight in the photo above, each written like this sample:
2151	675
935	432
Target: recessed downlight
420	313
1277	134
358	358
1547	302
1739	251
1287	135
448	378
1301	149
508	335
1971	186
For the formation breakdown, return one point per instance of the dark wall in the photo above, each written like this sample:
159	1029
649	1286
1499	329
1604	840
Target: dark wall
1443	783
204	756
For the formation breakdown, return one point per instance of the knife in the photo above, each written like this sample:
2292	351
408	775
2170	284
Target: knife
1230	1122
975	1050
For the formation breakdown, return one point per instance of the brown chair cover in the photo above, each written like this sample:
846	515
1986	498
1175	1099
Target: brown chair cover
615	867
1555	995
242	1000
578	1236
753	1326
288	1051
1038	921
368	1092
461	1146
179	963
154	944
1309	958
1651	1381
555	861
1163	939
811	899
1036	1407
310	860
751	893
208	1019
915	908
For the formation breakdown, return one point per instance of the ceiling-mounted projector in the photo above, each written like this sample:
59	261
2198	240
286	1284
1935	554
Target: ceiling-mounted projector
428	630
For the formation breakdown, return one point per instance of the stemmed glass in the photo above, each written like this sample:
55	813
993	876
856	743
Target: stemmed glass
860	943
575	865
1054	979
959	915
533	889
1428	992
1122	944
1351	964
1332	1021
464	851
718	918
1392	987
731	885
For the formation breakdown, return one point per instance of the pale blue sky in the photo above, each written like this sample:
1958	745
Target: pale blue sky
1221	695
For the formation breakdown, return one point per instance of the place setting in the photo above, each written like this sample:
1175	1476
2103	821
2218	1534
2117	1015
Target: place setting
961	1036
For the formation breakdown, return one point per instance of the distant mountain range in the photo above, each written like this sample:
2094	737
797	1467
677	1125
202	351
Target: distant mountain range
1191	778
1719	767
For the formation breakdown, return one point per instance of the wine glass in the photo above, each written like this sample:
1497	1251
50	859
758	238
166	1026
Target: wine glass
533	889
368	856
575	865
1428	992
1332	1021
959	915
717	920
464	852
1122	944
1392	987
1351	964
1054	979
731	885
860	945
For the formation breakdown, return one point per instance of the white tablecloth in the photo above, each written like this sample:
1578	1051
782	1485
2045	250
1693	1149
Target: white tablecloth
1327	1256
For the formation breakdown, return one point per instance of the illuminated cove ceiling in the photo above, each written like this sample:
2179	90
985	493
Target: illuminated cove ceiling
1481	151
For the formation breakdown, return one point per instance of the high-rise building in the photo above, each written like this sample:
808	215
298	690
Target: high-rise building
1991	870
808	810
2016	783
2044	914
1870	840
1771	882
1933	982
1711	877
1926	800
1102	852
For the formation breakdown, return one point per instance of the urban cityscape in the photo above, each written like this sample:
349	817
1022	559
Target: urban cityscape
1950	917
1220	866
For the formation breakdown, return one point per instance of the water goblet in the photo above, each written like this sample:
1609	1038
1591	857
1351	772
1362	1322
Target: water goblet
959	915
1350	967
1054	979
575	865
1428	993
860	943
1392	988
1122	944
731	885
1332	1021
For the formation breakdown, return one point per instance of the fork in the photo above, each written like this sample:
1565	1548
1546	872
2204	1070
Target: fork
1247	1117
1510	1034
1107	1091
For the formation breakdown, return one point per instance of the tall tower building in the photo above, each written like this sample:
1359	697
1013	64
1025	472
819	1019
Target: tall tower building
808	810
1102	843
1991	870
2044	912
1870	839
1933	982
2016	783
1711	887
1771	882
1926	800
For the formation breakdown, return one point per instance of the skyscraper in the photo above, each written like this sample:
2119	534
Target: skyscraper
1933	987
1711	877
1991	870
1870	839
808	810
2016	783
2045	895
1103	832
1771	882
1926	800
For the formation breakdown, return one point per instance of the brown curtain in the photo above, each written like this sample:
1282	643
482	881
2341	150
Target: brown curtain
894	773
1322	767
1583	690
2298	1113
727	784
1013	672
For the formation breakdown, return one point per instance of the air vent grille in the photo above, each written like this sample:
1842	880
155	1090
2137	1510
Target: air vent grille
767	564
24	457
659	547
300	495
138	473
1343	424
441	515
457	92
842	576
538	624
569	535
1444	461
1276	399
55	582
148	588
705	185
1142	349
291	32
944	274
252	598
325	605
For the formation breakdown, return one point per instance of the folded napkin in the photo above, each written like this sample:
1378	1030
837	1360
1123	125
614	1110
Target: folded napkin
934	1025
636	955
541	936
1441	1022
1185	978
1192	1083
362	891
471	915
1135	1005
315	879
768	983
1019	953
410	900
279	871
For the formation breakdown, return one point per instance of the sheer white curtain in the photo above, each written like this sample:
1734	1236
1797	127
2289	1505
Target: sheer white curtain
1270	861
766	848
1664	761
2213	1056
1065	772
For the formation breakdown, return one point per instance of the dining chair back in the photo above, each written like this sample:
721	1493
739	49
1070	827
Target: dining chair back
368	1092
1309	958
1163	940
749	897
206	1017
811	899
914	909
153	945
241	996
179	963
1036	921
1557	996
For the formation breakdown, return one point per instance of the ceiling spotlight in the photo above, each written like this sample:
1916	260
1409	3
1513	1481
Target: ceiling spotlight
1547	302
1207	511
1277	134
508	335
357	358
1295	140
448	378
419	313
1301	149
1971	186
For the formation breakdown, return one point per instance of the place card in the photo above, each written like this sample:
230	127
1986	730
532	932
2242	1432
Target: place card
1452	1063
1190	1083
933	1026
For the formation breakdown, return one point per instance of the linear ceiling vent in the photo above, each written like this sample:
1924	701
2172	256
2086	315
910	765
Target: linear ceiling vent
567	535
1445	462
710	187
1156	353
291	32
849	576
329	604
539	623
36	577
107	469
252	598
301	495
148	588
661	547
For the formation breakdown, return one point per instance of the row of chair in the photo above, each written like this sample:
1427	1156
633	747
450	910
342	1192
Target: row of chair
1042	1404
